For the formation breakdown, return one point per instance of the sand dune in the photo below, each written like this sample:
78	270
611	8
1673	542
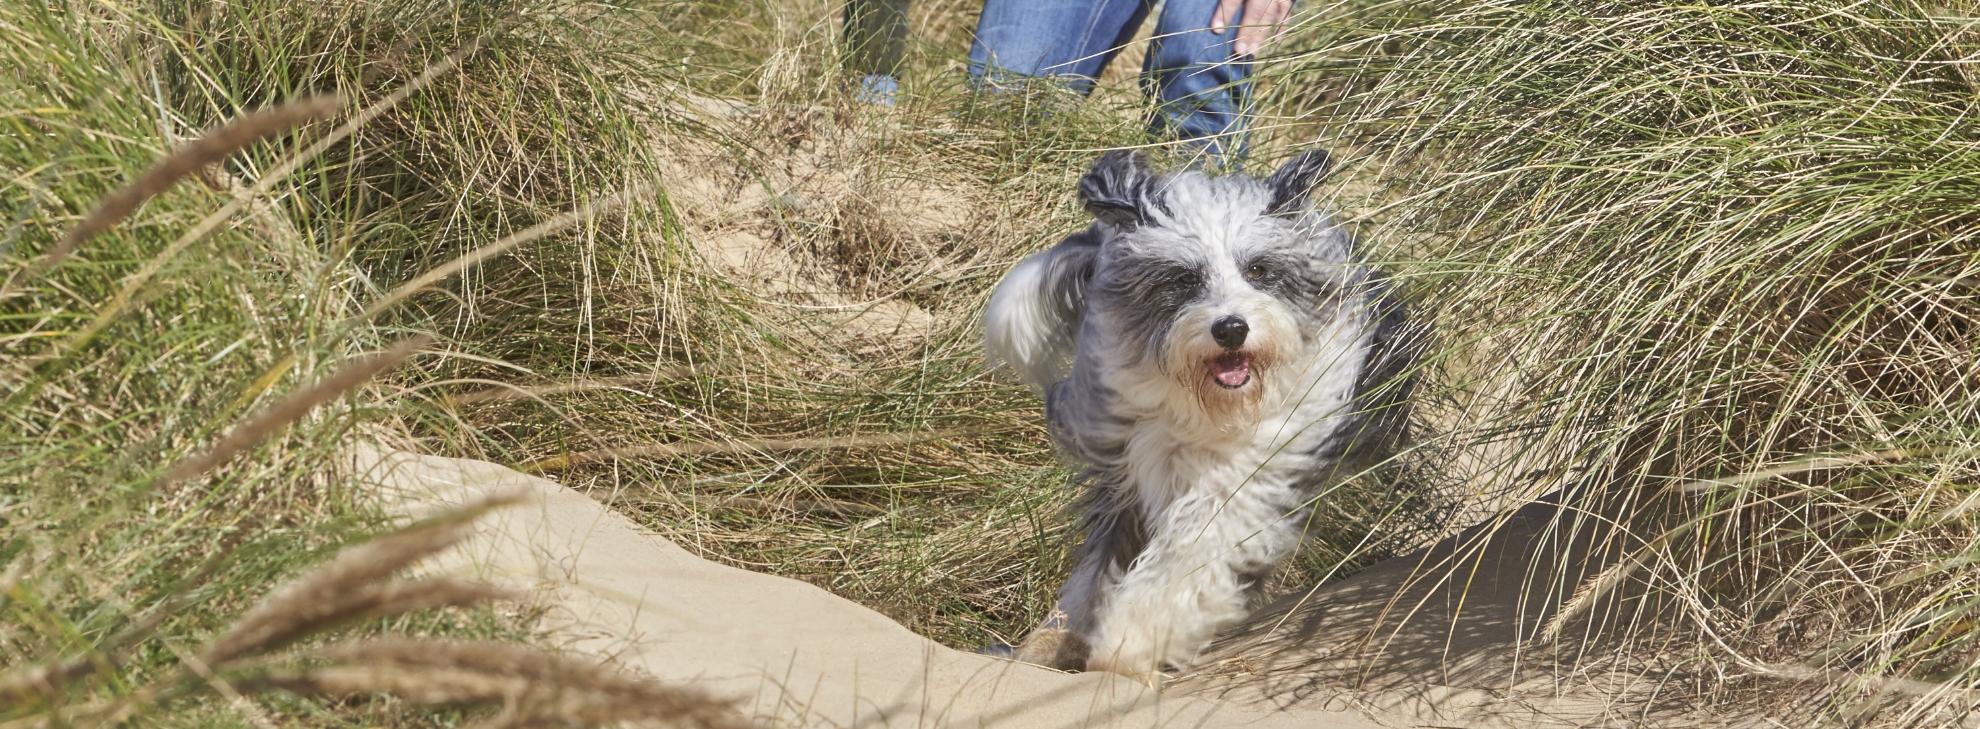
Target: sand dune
1458	635
1387	648
795	654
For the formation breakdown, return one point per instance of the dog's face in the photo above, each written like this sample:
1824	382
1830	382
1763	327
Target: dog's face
1212	283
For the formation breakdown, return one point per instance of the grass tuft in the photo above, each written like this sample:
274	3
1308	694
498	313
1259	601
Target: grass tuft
207	149
1706	269
177	388
353	585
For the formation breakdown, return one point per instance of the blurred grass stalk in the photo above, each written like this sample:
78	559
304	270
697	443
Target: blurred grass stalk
164	288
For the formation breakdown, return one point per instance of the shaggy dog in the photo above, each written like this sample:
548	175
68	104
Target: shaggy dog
1230	357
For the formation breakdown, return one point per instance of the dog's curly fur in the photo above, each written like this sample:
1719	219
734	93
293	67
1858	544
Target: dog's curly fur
1202	442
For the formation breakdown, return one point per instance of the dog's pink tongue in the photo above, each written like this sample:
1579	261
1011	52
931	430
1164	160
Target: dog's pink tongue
1231	370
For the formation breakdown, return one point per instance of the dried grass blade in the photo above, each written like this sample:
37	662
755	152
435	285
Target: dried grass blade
534	684
669	450
1602	583
471	258
293	407
507	392
209	148
348	586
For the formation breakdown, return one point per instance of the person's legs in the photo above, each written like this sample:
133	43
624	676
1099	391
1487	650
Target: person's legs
1201	92
1069	40
875	38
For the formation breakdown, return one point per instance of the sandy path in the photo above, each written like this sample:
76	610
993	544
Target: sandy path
795	654
1456	635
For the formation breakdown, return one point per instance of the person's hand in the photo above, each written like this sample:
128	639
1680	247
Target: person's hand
1262	20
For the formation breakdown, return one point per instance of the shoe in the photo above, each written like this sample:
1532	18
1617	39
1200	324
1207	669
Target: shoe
878	89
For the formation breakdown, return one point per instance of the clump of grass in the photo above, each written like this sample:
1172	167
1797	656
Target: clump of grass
1716	265
518	684
207	149
174	323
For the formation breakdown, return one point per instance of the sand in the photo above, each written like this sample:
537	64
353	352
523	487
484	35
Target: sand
1457	635
1448	637
794	654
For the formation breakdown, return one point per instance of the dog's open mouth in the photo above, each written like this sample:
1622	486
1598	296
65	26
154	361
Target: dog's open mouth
1231	370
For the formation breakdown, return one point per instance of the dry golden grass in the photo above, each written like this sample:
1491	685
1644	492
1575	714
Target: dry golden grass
1708	262
354	585
229	361
288	410
709	266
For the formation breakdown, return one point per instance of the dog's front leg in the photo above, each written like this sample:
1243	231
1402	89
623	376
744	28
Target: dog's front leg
1190	582
1114	536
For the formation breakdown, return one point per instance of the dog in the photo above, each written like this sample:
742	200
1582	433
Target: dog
1213	354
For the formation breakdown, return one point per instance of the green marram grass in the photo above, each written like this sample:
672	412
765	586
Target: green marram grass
1730	254
168	333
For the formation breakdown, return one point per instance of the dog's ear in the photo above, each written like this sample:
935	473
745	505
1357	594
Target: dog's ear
1294	182
1116	189
1034	313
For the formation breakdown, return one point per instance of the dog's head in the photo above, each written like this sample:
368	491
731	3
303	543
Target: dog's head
1213	283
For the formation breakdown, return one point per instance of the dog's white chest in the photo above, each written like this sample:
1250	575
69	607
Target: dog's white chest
1168	466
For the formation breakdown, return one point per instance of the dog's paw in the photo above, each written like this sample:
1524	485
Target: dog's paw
1053	648
1147	672
1129	658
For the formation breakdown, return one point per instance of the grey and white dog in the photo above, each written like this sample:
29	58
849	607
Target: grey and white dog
1230	357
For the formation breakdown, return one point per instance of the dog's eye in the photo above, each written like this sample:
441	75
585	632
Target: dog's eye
1188	278
1256	272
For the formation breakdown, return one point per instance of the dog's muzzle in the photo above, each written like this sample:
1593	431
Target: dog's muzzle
1232	369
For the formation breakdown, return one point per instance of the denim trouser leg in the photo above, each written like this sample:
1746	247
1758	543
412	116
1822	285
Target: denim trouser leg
1069	39
1201	91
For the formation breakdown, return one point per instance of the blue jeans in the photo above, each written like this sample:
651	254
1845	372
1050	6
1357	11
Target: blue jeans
1199	87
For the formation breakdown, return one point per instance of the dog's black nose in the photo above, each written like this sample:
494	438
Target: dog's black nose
1229	332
